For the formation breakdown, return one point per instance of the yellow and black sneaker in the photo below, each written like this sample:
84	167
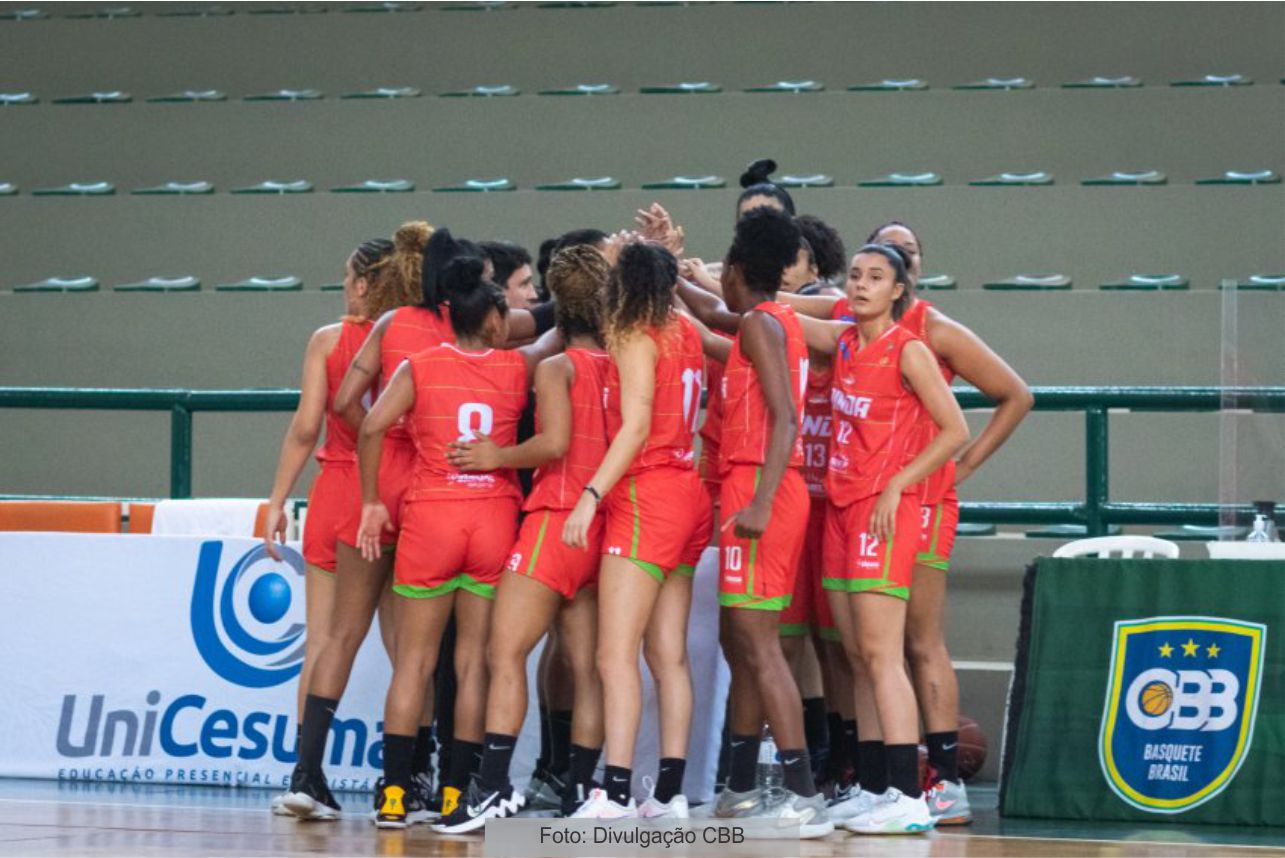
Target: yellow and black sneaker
450	800
392	811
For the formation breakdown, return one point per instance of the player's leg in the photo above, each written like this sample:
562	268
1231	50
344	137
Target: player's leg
665	648
578	628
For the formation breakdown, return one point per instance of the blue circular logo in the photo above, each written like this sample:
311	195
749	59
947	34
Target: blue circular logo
269	598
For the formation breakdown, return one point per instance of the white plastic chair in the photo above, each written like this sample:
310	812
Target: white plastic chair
1124	546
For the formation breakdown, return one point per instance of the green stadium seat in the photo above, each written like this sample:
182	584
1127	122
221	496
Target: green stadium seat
1123	82
332	287
21	14
1216	80
61	284
300	186
480	6
285	283
197	12
386	92
186	283
1030	283
795	86
938	282
811	180
77	189
1149	283
1257	283
1014	180
1069	531
1201	533
1122	177
584	89
1238	177
968	528
697	87
107	12
8	189
483	91
175	189
289	10
583	183
997	83
386	7
15	99
481	186
575	4
376	186
687	183
890	85
107	97
287	95
903	180
189	96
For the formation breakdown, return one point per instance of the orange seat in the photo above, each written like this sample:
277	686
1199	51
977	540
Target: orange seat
140	517
67	516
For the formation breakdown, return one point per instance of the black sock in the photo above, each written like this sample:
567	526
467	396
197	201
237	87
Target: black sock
422	761
724	752
943	754
797	767
872	766
546	742
850	744
583	762
618	782
497	754
559	741
903	769
742	768
318	712
669	782
465	758
814	726
398	751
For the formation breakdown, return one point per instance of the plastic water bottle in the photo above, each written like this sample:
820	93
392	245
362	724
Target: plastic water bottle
770	773
1259	534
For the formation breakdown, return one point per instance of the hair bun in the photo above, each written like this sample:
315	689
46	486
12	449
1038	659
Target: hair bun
758	172
412	236
462	274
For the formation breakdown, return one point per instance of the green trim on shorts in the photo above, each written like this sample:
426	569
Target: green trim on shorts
932	546
687	570
633	501
539	541
459	582
794	630
745	600
830	633
865	585
650	568
932	561
754	545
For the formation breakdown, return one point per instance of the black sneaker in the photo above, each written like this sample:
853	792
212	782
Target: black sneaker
575	794
392	803
422	786
476	807
310	797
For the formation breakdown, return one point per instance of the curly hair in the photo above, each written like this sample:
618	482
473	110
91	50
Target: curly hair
370	262
767	242
577	277
399	284
640	291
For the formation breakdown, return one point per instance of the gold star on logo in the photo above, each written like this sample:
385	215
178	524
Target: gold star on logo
1166	650
1189	648
1213	650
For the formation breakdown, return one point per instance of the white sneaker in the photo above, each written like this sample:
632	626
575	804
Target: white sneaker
785	808
651	809
599	806
948	803
278	804
857	802
895	813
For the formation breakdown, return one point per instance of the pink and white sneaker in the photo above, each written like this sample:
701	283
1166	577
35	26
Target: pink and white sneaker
599	806
676	808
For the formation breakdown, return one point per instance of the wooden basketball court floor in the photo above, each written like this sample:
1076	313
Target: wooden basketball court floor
41	818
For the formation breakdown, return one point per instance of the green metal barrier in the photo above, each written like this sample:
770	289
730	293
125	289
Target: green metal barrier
1095	512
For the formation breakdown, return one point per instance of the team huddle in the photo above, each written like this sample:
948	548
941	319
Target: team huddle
828	459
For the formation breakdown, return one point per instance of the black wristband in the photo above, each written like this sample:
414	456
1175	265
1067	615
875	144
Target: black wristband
591	490
544	317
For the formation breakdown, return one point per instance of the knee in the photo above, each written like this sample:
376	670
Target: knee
925	650
502	656
664	660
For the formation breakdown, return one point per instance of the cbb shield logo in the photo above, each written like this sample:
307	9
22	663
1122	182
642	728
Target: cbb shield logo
1180	707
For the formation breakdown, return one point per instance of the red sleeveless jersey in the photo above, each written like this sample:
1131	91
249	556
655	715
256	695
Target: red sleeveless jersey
675	404
814	429
940	482
341	439
559	484
875	417
458	393
410	331
746	419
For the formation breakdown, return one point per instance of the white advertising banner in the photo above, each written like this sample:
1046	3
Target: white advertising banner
175	660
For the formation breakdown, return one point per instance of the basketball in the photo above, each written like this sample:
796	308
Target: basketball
1156	698
972	748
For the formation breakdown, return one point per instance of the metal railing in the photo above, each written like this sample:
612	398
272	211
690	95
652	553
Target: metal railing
1096	512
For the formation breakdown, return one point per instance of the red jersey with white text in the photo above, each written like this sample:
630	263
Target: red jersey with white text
875	417
457	394
341	439
411	330
559	484
940	482
680	364
747	422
